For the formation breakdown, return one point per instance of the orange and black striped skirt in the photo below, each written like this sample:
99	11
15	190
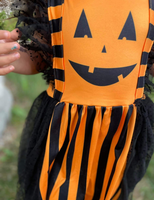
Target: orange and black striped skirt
86	152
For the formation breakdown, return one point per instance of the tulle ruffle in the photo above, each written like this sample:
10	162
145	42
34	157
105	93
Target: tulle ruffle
142	148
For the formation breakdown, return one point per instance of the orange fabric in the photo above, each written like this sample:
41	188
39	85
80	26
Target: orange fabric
54	12
143	70
50	90
148	44
59	85
117	195
88	51
57	40
151	16
58	63
139	93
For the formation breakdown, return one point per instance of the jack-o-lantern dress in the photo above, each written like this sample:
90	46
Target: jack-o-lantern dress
91	136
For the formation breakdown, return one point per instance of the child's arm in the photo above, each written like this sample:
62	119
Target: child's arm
13	57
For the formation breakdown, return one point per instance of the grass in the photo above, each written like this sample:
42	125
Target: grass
8	174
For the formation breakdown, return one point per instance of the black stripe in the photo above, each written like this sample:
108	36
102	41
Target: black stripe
141	82
59	159
151	2
54	132
115	120
151	32
111	176
58	51
120	145
50	25
91	112
64	188
59	74
144	58
103	111
55	2
56	25
57	95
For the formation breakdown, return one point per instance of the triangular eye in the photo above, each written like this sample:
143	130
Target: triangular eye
83	27
128	30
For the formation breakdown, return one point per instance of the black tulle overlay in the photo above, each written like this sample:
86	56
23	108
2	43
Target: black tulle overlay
32	147
142	148
34	26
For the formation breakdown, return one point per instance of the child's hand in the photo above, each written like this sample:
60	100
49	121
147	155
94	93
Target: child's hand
8	50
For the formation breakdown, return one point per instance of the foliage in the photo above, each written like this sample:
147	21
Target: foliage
10	24
27	86
2	17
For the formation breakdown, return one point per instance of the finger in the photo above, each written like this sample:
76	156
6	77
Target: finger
2	41
6	70
4	35
6	48
7	59
15	34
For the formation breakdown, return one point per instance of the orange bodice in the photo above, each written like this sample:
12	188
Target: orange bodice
100	50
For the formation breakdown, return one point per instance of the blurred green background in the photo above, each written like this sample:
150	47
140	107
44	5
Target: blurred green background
25	89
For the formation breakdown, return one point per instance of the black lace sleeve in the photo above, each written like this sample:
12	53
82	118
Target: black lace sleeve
35	33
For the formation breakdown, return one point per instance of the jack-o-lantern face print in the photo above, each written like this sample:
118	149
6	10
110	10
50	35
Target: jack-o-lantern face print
103	76
103	43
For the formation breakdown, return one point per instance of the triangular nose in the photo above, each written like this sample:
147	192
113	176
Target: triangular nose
104	49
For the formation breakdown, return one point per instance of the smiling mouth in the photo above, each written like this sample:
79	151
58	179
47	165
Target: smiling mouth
102	76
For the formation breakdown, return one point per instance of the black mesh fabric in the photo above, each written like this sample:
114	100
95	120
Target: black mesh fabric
34	27
32	147
142	148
